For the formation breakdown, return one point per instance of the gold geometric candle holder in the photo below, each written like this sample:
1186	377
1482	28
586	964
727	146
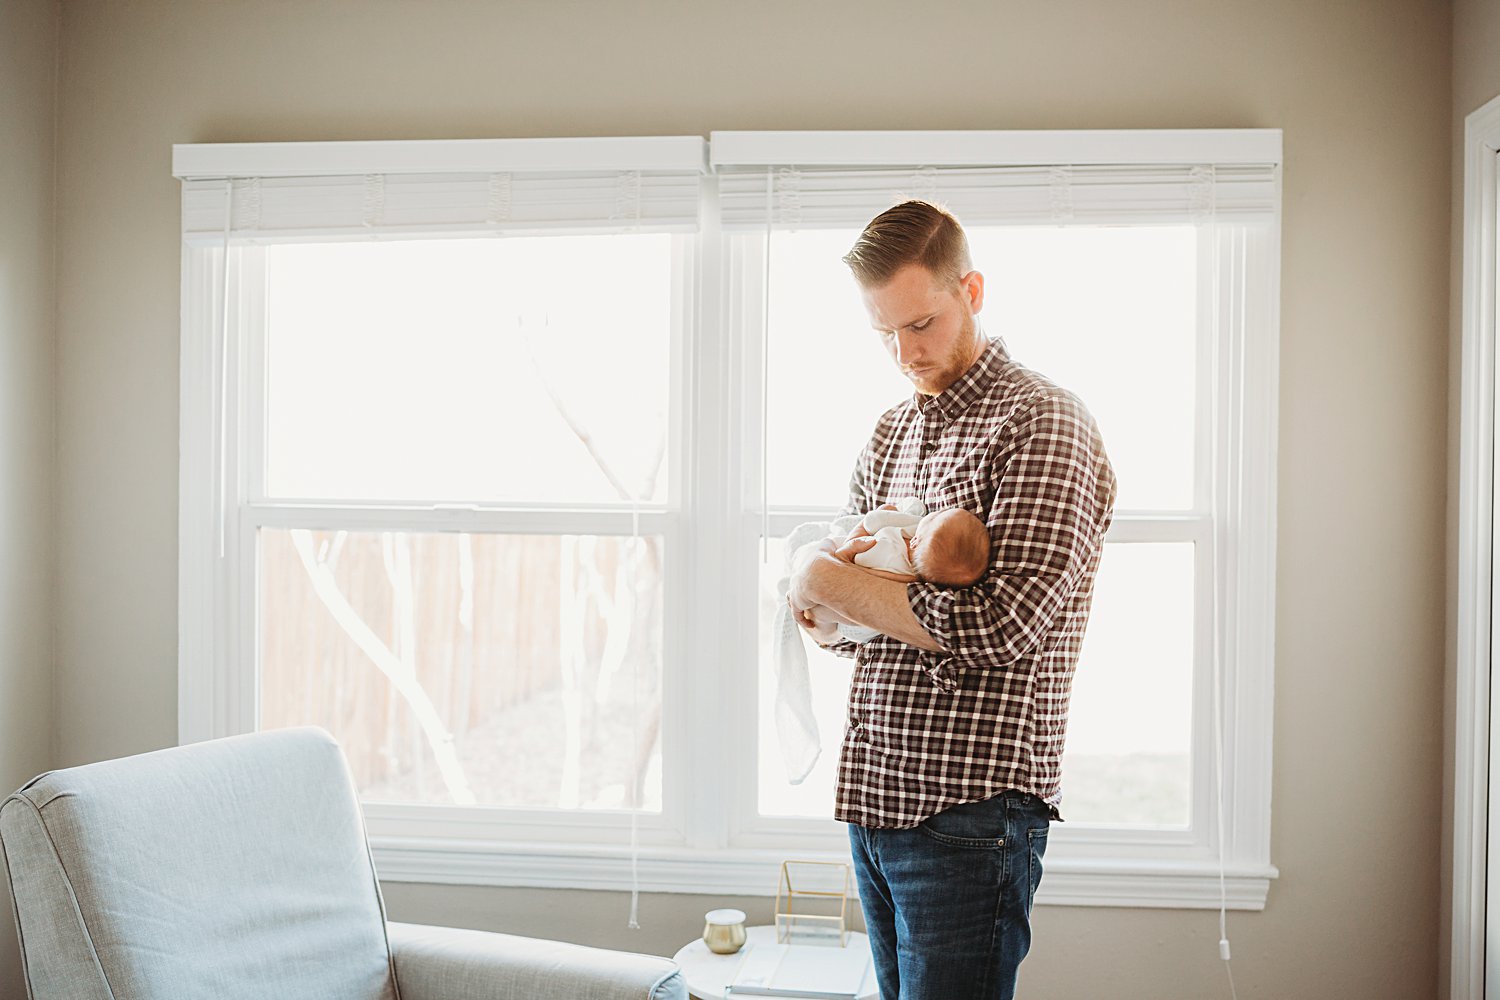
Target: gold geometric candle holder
812	903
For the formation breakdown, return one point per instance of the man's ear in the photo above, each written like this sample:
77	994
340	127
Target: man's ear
972	285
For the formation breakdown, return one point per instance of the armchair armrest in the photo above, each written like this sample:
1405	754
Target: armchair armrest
449	963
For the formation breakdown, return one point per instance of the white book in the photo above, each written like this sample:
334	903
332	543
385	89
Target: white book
803	971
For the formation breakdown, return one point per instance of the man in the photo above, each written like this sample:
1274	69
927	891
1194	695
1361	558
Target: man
949	771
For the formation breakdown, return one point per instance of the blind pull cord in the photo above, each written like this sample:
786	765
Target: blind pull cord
635	728
224	367
1217	498
765	384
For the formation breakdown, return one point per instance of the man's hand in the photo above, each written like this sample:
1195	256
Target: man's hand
799	594
819	623
828	575
816	565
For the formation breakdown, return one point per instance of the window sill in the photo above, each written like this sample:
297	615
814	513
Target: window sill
745	872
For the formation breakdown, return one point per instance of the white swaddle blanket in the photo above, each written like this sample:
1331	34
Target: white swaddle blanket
796	723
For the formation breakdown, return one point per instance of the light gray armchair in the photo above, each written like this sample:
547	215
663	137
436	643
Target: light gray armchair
239	868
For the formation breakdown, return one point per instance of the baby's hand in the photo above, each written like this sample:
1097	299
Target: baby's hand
860	531
854	545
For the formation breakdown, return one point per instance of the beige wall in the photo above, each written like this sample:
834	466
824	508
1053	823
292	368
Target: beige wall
28	99
1362	92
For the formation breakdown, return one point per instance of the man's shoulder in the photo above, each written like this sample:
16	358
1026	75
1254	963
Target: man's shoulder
1020	393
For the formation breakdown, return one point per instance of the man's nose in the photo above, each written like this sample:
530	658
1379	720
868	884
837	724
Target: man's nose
906	350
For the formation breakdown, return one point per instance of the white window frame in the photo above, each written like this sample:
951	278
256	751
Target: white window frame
720	845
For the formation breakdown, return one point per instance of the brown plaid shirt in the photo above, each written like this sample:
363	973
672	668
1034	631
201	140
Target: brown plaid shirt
927	731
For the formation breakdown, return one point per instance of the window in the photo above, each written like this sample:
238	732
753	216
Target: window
484	490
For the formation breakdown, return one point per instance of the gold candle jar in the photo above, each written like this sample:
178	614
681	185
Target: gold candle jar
724	931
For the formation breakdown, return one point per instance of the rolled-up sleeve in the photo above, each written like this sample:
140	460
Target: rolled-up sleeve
843	647
1053	499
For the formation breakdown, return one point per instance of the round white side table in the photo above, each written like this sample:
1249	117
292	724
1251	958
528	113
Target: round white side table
707	974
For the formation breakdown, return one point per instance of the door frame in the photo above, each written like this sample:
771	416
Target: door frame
1473	715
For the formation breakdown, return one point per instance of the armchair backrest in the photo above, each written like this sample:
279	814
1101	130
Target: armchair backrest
231	869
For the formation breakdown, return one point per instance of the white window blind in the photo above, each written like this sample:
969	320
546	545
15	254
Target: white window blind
821	198
603	185
799	181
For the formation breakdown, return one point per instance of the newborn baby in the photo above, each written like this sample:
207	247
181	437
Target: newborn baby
950	547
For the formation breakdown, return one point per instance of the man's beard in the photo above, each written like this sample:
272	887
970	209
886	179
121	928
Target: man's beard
958	361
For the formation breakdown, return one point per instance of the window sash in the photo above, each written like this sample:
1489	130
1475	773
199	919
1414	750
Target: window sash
1075	839
248	330
486	824
225	699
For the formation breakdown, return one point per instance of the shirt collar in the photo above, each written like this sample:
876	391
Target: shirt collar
972	385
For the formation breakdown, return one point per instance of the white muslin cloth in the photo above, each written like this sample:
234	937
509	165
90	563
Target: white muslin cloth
796	723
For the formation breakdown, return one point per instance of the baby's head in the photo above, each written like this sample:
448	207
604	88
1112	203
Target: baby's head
951	547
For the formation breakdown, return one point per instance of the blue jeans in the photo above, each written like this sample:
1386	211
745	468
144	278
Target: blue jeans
948	903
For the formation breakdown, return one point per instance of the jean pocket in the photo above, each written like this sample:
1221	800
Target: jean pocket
1036	841
975	826
967	843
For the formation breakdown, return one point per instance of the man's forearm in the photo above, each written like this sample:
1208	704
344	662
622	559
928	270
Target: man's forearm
867	599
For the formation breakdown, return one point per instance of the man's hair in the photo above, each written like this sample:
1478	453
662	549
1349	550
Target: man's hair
913	232
955	549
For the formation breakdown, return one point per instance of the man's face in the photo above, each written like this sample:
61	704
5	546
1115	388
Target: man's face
928	326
